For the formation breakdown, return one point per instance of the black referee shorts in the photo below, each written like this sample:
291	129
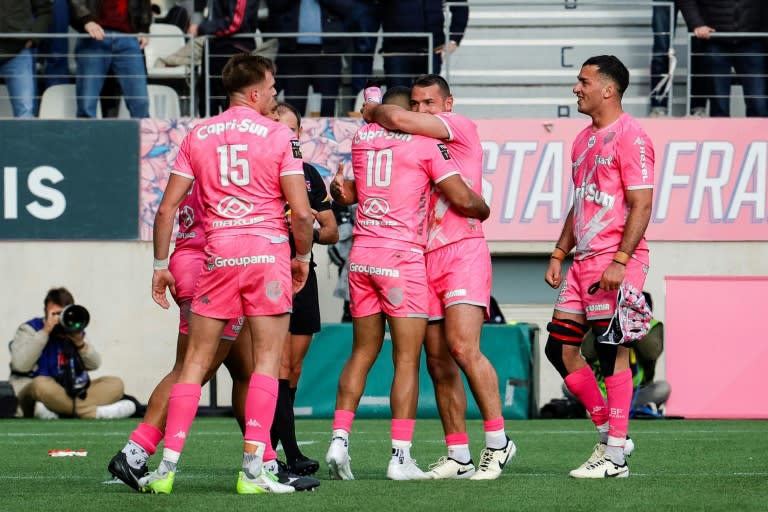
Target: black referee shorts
305	318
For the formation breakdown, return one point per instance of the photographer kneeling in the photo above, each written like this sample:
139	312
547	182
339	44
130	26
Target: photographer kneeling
50	359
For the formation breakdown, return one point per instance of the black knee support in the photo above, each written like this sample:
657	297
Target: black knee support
562	331
606	352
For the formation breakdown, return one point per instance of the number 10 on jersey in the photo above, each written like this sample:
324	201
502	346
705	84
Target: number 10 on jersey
379	171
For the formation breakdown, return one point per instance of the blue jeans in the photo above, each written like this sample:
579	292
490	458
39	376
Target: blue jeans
366	17
53	51
746	57
663	27
19	74
123	56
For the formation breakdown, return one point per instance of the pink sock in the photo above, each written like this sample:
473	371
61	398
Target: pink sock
494	425
402	429
342	420
260	406
182	408
583	385
619	387
456	438
269	453
147	436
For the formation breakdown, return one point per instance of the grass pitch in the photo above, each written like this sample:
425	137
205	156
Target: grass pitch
677	465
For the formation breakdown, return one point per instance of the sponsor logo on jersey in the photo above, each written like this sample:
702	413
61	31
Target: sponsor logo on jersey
444	151
375	207
187	216
598	307
241	125
592	194
233	207
603	160
374	271
367	135
296	148
591	141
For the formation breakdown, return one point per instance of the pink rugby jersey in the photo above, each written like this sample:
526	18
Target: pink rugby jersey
446	225
606	163
191	235
237	158
393	175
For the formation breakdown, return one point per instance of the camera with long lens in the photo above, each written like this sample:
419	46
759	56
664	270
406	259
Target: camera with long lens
74	318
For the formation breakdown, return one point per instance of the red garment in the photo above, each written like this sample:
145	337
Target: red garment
114	16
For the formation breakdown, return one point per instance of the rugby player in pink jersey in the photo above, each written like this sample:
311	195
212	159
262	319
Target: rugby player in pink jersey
393	176
612	161
186	263
246	167
459	270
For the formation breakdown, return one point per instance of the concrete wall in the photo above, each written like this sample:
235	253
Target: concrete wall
137	338
667	259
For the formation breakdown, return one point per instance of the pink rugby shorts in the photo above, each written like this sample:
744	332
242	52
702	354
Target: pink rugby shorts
574	293
392	281
244	275
186	265
459	273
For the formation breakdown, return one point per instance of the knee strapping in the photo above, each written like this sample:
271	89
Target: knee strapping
562	331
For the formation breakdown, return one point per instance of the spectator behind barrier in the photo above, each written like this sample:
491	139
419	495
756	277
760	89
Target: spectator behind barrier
109	50
418	16
310	60
17	60
746	55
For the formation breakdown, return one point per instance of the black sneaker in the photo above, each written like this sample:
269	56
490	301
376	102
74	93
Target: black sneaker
123	471
303	466
298	482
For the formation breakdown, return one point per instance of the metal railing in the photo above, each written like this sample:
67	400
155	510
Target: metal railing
554	37
194	65
754	82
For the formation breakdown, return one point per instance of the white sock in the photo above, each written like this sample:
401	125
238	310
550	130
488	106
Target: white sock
252	461
459	453
496	439
338	432
169	462
271	466
401	451
603	431
615	450
135	454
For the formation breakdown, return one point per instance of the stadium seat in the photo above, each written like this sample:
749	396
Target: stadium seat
59	102
169	39
163	103
5	102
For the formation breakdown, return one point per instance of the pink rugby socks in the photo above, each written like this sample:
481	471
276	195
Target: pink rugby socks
260	408
583	385
182	408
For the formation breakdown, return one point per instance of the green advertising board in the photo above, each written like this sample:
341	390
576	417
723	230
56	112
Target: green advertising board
508	347
76	180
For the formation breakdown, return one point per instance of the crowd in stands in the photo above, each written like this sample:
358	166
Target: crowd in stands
107	64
